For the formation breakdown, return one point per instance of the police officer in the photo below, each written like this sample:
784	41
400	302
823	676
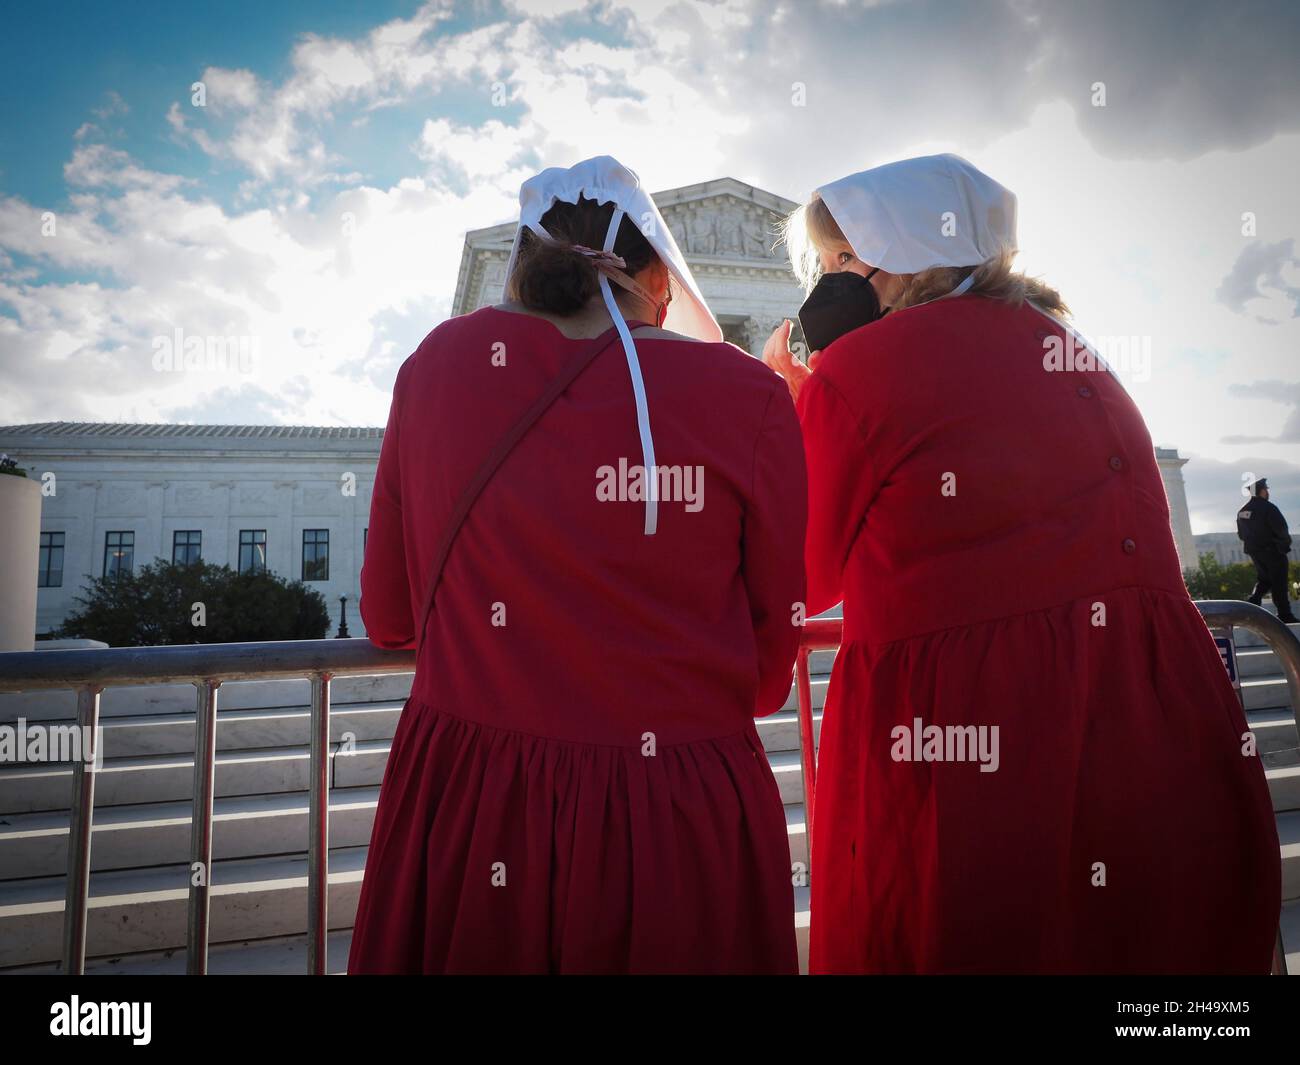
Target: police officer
1261	527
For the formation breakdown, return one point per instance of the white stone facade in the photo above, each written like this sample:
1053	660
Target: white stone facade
156	480
1226	547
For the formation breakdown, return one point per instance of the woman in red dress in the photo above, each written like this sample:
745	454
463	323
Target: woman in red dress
576	784
1032	760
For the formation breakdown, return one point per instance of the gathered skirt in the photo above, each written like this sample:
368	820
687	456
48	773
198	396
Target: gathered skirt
1127	827
497	851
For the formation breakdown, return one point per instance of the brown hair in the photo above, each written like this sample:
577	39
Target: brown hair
811	229
550	276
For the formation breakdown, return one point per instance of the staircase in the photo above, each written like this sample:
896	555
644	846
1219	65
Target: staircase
1269	715
140	851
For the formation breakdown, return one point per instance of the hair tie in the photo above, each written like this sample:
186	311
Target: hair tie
600	258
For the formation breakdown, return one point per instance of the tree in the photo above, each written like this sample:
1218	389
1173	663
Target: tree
175	603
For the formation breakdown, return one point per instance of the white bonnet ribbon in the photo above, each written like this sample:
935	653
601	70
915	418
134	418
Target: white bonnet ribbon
964	286
606	263
638	385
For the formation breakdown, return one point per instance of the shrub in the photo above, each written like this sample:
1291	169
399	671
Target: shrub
1213	580
156	606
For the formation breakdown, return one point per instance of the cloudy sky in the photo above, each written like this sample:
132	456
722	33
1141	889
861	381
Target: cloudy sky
314	193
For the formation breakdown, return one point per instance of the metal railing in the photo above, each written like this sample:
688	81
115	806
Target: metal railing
819	634
207	666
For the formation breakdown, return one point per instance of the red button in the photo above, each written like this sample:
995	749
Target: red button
1116	463
1129	547
1085	392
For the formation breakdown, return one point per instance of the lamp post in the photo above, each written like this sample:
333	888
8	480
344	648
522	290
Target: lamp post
343	633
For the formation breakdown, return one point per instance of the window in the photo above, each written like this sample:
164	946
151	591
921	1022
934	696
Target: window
252	550
50	573
315	554
187	545
119	553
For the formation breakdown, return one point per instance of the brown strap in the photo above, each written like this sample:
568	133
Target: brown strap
498	455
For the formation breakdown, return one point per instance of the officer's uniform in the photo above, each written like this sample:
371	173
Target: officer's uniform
1261	527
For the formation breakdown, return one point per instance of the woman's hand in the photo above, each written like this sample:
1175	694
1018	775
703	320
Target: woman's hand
778	357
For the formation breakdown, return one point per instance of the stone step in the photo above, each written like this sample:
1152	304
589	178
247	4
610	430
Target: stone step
287	955
143	835
1274	730
1264	693
145	909
1288	833
1284	787
1257	662
277	956
822	661
157	778
239	730
788	770
31	788
819	682
780	731
149	834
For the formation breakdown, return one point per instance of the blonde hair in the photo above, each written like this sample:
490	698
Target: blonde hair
810	230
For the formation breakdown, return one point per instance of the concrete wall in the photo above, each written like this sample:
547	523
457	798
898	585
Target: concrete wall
20	523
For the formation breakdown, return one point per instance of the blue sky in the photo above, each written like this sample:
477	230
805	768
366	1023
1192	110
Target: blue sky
318	200
56	71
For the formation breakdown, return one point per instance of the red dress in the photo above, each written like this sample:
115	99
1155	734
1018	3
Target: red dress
576	783
1000	537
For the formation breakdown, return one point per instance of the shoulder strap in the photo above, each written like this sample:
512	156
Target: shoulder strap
497	455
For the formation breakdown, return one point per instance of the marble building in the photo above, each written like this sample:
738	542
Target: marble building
296	499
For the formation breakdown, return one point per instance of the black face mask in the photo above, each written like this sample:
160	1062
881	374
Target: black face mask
839	303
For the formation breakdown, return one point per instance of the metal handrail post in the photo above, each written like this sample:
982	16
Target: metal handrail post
205	665
819	634
205	773
1230	613
318	842
76	902
807	745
